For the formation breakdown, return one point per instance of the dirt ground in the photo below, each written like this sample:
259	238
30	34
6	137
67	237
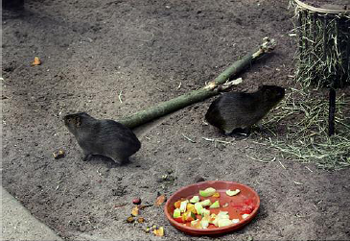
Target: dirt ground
93	51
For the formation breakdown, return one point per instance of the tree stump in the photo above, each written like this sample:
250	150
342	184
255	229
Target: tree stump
323	28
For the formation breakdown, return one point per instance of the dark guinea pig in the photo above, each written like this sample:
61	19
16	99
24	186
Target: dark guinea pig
238	111
13	4
102	137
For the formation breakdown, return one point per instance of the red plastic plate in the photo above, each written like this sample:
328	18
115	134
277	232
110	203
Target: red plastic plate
247	199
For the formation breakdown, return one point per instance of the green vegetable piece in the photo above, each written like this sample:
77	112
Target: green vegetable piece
233	193
177	213
207	192
205	203
224	222
195	199
205	212
199	208
216	204
183	206
204	224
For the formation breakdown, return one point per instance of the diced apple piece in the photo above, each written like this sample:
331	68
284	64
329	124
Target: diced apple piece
183	206
216	204
205	203
177	213
223	214
204	223
188	216
244	216
205	212
233	193
235	220
207	192
224	222
194	199
199	208
196	223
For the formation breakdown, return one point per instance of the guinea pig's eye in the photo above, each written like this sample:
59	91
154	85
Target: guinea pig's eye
77	121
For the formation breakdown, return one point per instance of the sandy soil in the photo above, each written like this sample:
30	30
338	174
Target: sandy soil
92	51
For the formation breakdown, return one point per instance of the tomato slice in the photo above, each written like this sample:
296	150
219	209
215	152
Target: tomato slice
247	207
179	220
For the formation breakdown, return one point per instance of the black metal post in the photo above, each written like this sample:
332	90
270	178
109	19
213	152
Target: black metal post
332	94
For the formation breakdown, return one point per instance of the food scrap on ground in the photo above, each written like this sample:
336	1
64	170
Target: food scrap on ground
140	220
59	154
136	201
160	200
130	219
159	232
135	211
36	61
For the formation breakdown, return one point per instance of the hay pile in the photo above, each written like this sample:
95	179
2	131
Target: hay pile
323	46
298	129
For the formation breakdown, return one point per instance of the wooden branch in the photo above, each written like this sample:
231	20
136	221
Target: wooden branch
212	88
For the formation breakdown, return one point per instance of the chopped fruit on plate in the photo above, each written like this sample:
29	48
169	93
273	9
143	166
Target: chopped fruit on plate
199	208
217	195
235	220
205	203
183	206
201	213
190	207
233	193
207	192
177	213
216	204
194	199
205	212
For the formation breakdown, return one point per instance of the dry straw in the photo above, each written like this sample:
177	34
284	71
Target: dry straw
298	129
323	45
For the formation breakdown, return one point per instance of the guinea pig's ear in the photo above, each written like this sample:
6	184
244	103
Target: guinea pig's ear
267	92
77	121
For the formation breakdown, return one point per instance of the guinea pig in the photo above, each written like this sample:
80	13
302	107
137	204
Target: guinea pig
102	137
238	111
